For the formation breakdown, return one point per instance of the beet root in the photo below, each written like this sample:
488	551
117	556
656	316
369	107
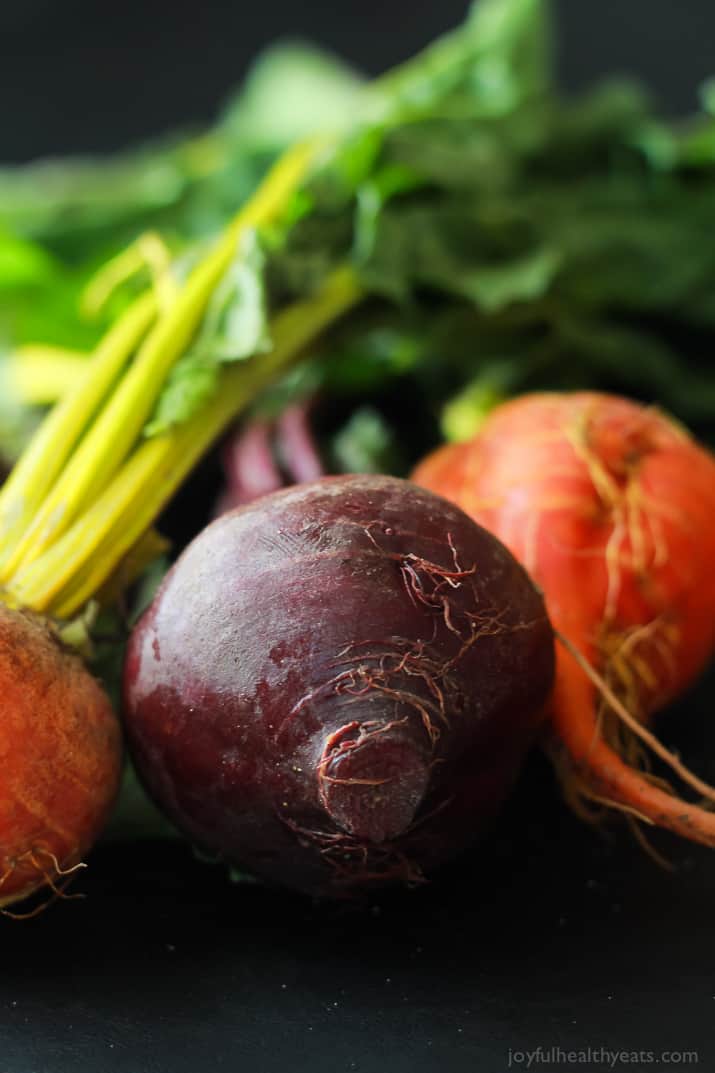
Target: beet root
609	504
335	686
60	752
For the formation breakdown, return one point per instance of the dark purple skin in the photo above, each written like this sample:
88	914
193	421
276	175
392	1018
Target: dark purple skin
335	686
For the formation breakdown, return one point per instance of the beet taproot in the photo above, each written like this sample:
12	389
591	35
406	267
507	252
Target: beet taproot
60	754
335	686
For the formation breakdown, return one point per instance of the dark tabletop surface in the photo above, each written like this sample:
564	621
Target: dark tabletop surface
550	935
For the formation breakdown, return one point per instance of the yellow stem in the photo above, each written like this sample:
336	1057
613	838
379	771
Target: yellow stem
148	251
116	430
76	566
39	374
39	466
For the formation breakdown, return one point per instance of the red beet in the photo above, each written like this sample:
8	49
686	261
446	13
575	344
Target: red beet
335	686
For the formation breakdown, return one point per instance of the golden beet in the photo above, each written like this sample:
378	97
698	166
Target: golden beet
60	757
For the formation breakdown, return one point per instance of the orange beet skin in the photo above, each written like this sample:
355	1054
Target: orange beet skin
610	505
60	757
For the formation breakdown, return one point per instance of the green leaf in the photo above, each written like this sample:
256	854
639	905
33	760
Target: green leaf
497	60
464	414
293	91
365	444
493	288
455	246
236	322
707	96
191	383
23	263
234	328
506	224
368	355
513	38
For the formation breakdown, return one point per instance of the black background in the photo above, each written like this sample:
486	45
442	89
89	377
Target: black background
85	74
549	934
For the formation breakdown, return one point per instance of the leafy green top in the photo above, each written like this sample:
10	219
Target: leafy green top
505	235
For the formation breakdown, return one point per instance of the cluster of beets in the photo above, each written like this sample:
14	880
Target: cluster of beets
337	682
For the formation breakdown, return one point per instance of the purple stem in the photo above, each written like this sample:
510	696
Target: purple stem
296	445
249	465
